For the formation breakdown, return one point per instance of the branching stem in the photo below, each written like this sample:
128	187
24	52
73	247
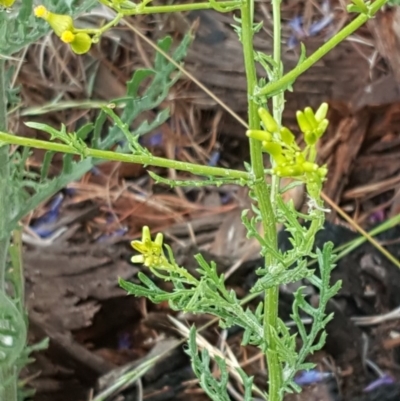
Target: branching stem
146	160
262	193
282	83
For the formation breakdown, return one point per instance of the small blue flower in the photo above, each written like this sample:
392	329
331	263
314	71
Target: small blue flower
386	379
307	377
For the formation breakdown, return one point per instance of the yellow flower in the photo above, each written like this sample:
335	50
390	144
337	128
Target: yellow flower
6	3
59	22
80	42
151	253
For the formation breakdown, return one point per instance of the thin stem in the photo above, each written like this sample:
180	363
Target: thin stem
291	76
262	194
196	169
260	187
4	177
99	31
278	101
221	6
8	375
18	279
272	295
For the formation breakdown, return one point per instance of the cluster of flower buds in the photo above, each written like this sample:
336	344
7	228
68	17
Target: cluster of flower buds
313	125
288	159
63	27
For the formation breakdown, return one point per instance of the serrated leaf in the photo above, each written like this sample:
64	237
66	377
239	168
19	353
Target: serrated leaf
48	157
134	289
84	131
146	127
54	133
156	91
270	280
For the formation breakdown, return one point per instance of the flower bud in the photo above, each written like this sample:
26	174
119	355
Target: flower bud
159	239
321	113
80	42
146	235
323	125
59	22
137	259
6	3
288	171
287	136
303	122
275	150
259	135
309	167
269	122
309	113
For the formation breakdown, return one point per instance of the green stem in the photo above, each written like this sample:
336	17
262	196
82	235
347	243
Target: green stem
291	76
278	101
4	187
18	279
121	157
262	194
8	376
104	28
272	298
221	5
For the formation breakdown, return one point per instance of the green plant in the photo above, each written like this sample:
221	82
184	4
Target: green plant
208	293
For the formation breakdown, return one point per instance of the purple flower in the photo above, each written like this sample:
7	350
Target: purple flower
318	26
312	376
124	341
44	225
214	158
299	32
152	140
385	379
297	26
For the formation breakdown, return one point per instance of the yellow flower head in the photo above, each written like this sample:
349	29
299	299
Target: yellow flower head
80	42
59	22
151	253
6	3
68	37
